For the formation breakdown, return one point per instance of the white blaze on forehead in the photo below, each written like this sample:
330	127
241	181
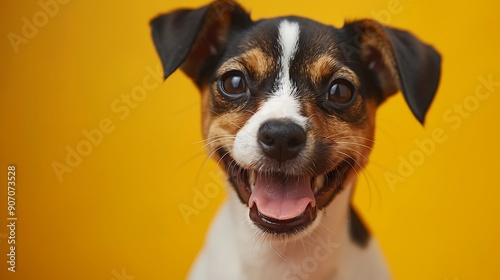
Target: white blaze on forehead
288	41
282	103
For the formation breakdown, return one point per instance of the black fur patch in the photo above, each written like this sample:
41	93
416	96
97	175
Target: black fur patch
357	229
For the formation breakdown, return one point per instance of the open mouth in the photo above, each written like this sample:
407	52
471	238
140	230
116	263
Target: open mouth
284	204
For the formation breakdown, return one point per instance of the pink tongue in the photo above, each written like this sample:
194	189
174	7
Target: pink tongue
282	197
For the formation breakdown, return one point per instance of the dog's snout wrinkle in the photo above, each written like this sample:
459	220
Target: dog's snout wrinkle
281	140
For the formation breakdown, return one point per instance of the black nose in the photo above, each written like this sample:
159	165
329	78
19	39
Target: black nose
281	139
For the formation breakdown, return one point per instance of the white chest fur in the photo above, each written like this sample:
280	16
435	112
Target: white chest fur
235	250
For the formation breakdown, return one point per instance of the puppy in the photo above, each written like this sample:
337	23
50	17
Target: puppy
288	110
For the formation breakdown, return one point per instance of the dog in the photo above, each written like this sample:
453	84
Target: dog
288	111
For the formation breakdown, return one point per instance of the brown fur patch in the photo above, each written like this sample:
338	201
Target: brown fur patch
255	61
349	75
220	130
258	62
377	53
321	67
206	116
343	139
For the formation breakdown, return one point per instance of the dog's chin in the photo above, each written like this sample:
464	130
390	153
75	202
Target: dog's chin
285	205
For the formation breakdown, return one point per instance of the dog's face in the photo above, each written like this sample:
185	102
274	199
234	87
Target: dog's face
288	104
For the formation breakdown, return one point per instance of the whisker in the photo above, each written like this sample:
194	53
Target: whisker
219	115
216	140
356	137
191	158
357	175
355	143
389	136
223	136
276	252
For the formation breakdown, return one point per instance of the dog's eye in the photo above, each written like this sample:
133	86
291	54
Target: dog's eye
233	84
341	93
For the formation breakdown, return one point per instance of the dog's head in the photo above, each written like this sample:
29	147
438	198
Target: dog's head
288	104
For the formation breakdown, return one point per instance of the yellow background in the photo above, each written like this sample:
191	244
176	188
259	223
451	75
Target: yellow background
117	213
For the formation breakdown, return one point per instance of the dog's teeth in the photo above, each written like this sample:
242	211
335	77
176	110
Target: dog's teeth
318	182
251	179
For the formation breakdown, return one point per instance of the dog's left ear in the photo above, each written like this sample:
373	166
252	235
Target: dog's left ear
397	61
193	39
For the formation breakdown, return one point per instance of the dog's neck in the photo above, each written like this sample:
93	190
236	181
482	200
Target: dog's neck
235	249
315	256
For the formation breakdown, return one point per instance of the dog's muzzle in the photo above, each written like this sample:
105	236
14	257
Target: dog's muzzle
280	202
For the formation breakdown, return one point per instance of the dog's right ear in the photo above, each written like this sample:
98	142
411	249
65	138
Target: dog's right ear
194	39
398	61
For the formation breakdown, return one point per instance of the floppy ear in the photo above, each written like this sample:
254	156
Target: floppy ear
398	61
193	39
